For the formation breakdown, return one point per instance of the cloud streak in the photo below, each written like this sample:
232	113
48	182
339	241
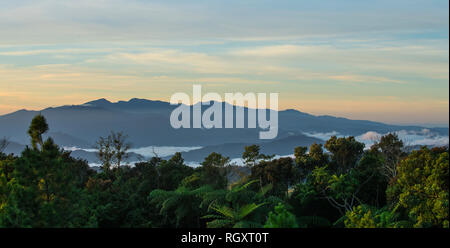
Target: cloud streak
423	137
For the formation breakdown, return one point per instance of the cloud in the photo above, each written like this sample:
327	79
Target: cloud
273	51
322	136
57	51
370	136
150	151
364	78
199	62
424	137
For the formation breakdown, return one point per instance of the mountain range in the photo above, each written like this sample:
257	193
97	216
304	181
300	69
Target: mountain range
147	123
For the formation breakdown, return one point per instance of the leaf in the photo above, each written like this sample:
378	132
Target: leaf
248	209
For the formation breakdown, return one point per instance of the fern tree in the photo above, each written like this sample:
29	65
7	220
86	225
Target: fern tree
180	208
239	207
227	217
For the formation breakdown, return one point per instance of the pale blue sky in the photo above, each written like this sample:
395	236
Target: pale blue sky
379	60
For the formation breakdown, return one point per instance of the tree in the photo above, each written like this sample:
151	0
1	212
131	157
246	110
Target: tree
280	173
342	191
310	207
345	152
229	217
307	162
365	216
390	147
172	172
37	128
106	152
370	170
301	156
213	171
317	155
121	147
303	161
180	208
43	190
252	154
238	207
112	150
421	187
281	218
216	160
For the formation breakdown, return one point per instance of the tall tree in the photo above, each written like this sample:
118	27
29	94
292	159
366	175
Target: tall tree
121	147
390	147
106	152
113	150
421	187
306	162
172	172
214	170
345	152
252	155
319	158
37	128
280	173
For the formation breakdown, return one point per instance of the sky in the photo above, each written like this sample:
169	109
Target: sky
380	60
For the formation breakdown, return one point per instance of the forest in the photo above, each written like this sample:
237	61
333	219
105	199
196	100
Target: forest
340	184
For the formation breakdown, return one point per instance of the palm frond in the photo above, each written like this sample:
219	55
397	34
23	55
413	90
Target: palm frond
248	209
242	187
266	188
224	210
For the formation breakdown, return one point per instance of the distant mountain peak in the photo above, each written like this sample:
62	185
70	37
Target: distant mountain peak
99	102
296	112
138	100
292	111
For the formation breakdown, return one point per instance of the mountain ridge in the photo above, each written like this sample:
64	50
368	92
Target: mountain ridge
147	124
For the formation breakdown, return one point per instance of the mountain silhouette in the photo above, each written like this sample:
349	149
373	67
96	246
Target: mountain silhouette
147	123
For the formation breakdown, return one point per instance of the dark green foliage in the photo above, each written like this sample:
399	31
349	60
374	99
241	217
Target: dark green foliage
172	172
180	208
281	173
37	128
379	188
252	155
390	148
43	189
421	188
369	172
345	153
281	218
214	171
240	207
306	162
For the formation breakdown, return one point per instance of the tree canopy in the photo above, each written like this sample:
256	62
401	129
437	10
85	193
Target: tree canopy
338	184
